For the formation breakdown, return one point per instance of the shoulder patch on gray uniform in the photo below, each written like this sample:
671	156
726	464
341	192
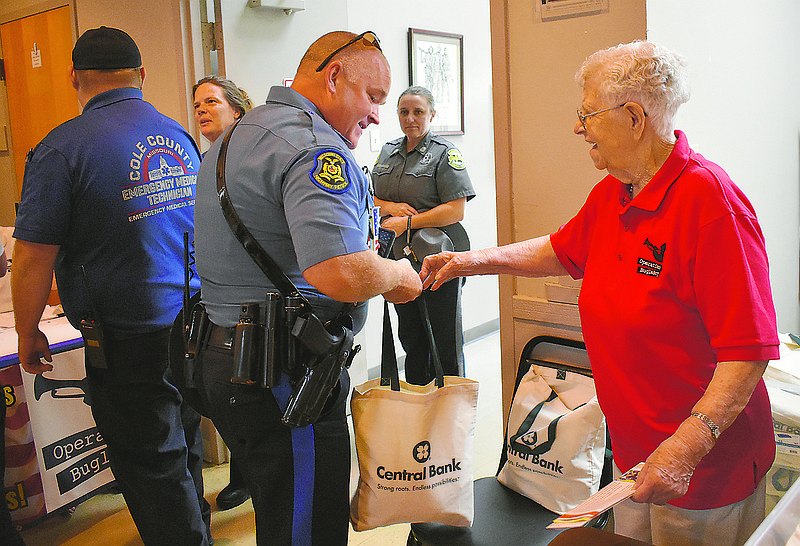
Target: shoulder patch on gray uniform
330	172
454	159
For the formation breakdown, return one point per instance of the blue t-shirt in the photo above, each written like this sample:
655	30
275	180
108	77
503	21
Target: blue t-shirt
297	188
114	188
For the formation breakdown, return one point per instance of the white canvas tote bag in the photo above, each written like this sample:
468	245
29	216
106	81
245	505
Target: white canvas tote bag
556	439
415	448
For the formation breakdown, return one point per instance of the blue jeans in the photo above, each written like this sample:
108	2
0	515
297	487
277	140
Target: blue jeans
153	441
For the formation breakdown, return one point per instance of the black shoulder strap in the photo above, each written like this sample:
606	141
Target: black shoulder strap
263	260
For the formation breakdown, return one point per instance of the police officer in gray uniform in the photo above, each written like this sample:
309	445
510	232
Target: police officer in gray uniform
295	185
421	181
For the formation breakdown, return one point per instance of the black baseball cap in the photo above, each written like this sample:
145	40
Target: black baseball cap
105	48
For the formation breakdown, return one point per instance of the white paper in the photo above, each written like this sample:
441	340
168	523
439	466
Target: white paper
611	495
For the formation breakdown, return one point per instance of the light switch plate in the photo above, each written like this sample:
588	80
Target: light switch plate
374	141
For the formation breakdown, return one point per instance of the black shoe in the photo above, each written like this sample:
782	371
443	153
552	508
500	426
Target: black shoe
232	496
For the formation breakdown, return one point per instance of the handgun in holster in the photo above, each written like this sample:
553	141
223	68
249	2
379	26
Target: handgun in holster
332	351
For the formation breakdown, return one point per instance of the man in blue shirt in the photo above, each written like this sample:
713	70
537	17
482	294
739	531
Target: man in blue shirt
106	200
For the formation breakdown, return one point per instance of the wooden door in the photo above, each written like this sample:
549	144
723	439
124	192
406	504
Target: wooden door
38	55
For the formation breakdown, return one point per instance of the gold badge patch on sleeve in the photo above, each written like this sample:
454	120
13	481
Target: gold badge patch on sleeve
455	160
330	172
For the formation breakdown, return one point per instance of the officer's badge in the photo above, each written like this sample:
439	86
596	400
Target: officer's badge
330	172
455	160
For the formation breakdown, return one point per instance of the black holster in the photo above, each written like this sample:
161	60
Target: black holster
332	351
188	336
312	354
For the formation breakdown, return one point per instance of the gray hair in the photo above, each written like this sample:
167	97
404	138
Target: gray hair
236	96
641	72
421	92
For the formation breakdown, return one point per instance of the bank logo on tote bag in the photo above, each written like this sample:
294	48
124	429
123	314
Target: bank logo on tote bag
422	451
530	440
422	454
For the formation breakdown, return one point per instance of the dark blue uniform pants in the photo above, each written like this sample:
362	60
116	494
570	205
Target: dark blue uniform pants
298	478
444	309
154	442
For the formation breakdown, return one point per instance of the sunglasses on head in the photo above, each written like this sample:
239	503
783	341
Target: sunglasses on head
369	37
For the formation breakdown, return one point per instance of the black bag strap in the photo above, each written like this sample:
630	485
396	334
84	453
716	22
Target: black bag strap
437	363
389	373
263	260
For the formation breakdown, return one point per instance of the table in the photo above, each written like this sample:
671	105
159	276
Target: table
589	536
55	456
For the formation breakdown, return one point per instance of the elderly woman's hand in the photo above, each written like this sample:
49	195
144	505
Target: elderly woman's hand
432	268
440	268
668	470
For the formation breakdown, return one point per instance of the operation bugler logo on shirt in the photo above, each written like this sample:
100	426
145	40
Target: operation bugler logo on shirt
652	267
162	175
418	477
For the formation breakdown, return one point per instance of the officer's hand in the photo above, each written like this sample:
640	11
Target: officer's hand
398	209
398	224
409	286
31	349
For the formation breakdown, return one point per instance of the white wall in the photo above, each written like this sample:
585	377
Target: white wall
744	113
471	19
263	47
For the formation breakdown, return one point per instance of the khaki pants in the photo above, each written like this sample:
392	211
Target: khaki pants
668	525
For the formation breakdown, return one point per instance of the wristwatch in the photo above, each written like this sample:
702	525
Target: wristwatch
707	420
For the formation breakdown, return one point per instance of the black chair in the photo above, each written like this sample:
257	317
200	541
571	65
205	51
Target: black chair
502	516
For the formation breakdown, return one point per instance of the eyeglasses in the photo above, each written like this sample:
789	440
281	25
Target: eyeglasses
582	117
367	36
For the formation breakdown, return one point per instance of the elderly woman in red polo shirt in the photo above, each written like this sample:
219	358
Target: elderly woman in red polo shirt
676	306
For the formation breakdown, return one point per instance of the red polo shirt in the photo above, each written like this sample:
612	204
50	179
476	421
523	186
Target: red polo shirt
674	282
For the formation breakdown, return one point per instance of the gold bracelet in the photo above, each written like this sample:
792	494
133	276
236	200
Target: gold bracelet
709	423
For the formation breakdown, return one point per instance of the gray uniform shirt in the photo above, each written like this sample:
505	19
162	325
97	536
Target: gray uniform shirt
429	175
297	188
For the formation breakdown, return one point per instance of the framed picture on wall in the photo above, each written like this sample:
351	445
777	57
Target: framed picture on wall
436	61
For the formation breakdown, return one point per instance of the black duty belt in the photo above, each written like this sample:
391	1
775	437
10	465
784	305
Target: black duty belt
221	337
